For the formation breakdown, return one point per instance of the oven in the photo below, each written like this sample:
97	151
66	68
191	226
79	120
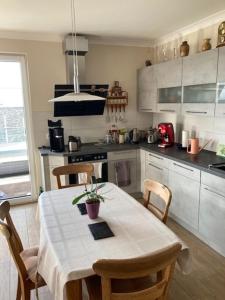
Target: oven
89	158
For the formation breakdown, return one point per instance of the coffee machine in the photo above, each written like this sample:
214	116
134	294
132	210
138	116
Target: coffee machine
166	134
56	136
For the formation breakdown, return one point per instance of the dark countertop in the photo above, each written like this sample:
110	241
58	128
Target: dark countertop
90	148
200	161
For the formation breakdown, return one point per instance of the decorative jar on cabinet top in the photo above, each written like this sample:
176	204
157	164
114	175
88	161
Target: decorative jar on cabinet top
206	45
184	49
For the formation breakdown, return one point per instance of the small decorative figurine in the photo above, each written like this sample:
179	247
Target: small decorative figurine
206	44
184	49
148	63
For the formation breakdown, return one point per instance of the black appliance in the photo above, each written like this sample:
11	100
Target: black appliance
80	108
90	158
56	136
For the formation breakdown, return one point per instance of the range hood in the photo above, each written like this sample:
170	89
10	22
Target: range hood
92	97
80	108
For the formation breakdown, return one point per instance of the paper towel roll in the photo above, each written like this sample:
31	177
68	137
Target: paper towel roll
185	137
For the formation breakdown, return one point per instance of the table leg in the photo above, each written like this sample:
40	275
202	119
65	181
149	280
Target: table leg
74	290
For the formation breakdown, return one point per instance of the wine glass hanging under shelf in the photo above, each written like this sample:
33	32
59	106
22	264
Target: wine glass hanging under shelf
117	98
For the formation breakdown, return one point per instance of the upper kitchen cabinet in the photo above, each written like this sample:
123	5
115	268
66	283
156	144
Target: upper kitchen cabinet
169	76
199	83
199	99
200	68
169	73
147	89
220	103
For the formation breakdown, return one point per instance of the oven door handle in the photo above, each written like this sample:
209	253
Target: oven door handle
89	162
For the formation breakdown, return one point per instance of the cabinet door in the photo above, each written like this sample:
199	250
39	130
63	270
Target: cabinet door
220	105
199	99
157	173
147	89
169	95
211	218
132	188
185	199
142	169
200	68
221	64
57	161
220	101
200	109
173	108
169	73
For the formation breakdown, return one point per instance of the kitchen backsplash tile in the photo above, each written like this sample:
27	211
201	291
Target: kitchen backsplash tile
90	129
205	128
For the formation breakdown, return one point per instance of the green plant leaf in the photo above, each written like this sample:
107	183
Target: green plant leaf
99	186
101	198
77	199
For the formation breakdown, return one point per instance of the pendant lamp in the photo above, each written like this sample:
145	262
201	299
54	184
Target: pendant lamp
76	95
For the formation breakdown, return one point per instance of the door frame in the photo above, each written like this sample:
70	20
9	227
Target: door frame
22	59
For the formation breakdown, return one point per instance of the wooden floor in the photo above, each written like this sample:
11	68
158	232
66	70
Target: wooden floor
206	282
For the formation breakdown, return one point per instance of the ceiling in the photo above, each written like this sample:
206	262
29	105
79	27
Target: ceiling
125	19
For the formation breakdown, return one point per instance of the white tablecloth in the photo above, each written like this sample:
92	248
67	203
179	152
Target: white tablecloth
68	250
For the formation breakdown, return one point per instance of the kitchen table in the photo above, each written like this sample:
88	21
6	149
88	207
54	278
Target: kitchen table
68	249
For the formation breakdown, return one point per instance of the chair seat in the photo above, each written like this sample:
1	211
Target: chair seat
118	285
30	259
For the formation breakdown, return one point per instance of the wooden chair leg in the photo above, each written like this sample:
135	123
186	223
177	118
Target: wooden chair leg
74	290
25	293
18	293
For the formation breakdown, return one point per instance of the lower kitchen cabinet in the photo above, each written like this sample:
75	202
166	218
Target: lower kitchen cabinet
212	217
131	157
158	173
198	198
141	170
48	163
185	199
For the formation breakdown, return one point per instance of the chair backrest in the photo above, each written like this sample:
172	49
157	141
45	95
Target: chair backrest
73	169
161	191
160	263
8	229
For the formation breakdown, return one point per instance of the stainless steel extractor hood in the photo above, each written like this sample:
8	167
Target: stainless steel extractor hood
91	98
82	49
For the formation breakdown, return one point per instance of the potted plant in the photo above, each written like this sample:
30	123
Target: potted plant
93	200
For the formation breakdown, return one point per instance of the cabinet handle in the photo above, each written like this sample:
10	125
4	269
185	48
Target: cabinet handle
145	108
123	152
195	112
213	192
155	167
167	110
183	167
155	156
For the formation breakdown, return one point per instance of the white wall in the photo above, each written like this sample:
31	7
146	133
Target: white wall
104	64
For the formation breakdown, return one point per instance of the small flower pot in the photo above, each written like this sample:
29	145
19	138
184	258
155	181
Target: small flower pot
93	209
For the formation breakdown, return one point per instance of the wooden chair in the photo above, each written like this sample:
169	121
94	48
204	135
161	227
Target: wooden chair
25	260
163	192
73	169
144	278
